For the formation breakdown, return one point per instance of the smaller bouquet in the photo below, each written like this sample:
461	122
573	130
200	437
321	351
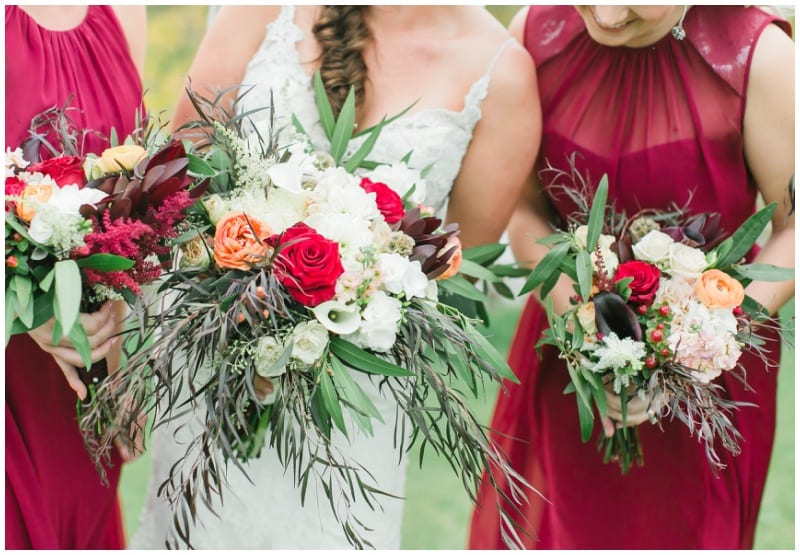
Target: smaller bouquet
659	313
81	230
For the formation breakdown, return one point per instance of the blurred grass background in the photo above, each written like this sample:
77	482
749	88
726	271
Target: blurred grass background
437	510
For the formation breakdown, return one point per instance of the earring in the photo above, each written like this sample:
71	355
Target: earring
678	31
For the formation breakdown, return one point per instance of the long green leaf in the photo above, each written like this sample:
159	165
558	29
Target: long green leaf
23	288
363	151
47	281
331	400
343	131
360	359
471	269
68	293
457	285
198	166
81	343
597	214
105	262
583	267
742	241
11	310
323	106
545	268
42	312
586	419
484	254
764	272
487	351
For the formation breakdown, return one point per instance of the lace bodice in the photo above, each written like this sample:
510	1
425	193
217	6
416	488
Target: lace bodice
438	136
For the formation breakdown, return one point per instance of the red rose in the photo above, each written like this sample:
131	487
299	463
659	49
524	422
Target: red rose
14	186
645	280
66	170
389	203
307	264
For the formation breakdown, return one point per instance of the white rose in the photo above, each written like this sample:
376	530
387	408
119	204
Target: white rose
41	228
310	339
415	282
216	208
194	255
653	248
268	352
432	290
392	268
338	317
686	261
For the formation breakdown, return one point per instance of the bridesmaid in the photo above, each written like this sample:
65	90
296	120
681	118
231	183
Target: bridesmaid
673	103
54	497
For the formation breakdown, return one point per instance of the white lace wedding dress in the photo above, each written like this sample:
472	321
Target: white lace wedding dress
267	513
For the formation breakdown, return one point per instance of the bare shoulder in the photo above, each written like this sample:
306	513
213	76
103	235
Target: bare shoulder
133	20
245	21
774	53
517	25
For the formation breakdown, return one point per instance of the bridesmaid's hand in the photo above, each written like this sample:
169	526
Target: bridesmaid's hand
637	411
100	327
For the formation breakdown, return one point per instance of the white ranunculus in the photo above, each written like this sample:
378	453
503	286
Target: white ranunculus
310	340
338	317
400	178
284	209
349	233
653	248
268	352
287	176
686	261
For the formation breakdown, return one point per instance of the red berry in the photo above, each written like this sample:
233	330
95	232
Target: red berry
651	362
12	261
659	326
737	311
664	310
599	336
240	317
656	336
642	309
664	352
17	237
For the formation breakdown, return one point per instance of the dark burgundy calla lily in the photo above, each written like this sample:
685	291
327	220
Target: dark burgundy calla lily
612	313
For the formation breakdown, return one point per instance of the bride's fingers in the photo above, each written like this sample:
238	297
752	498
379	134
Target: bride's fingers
263	387
71	374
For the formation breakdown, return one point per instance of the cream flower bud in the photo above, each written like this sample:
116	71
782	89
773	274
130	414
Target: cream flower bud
117	159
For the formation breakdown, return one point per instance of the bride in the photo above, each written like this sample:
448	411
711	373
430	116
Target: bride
476	120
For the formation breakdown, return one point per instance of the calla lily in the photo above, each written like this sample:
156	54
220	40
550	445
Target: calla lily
612	314
338	317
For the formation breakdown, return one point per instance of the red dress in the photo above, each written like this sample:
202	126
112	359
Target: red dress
661	121
54	498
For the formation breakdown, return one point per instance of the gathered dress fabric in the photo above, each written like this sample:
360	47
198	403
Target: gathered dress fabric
54	496
664	122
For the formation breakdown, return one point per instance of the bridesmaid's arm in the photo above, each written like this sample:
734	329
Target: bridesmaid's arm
222	58
133	20
769	151
501	154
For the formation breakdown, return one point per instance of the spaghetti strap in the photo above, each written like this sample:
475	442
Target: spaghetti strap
480	88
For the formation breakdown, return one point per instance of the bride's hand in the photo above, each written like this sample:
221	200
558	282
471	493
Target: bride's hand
100	326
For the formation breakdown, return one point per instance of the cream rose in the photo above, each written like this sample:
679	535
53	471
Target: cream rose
653	248
268	352
586	318
310	339
117	159
216	208
194	255
686	261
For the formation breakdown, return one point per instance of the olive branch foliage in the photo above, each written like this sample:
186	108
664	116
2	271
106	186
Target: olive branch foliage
194	352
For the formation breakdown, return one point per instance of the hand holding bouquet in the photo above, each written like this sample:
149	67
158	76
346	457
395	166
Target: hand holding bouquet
82	230
659	312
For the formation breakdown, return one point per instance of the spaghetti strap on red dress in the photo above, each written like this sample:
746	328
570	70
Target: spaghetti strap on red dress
54	497
665	123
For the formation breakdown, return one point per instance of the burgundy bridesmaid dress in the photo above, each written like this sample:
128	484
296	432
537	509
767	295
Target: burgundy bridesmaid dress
54	497
663	122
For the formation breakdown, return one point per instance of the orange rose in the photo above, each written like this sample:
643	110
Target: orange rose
39	193
239	241
716	289
455	259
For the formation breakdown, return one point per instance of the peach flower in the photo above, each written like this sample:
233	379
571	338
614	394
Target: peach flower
455	260
716	289
240	241
38	193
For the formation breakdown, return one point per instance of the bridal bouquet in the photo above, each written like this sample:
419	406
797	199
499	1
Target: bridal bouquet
81	230
659	313
306	270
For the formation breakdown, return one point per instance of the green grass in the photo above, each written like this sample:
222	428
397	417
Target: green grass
437	510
